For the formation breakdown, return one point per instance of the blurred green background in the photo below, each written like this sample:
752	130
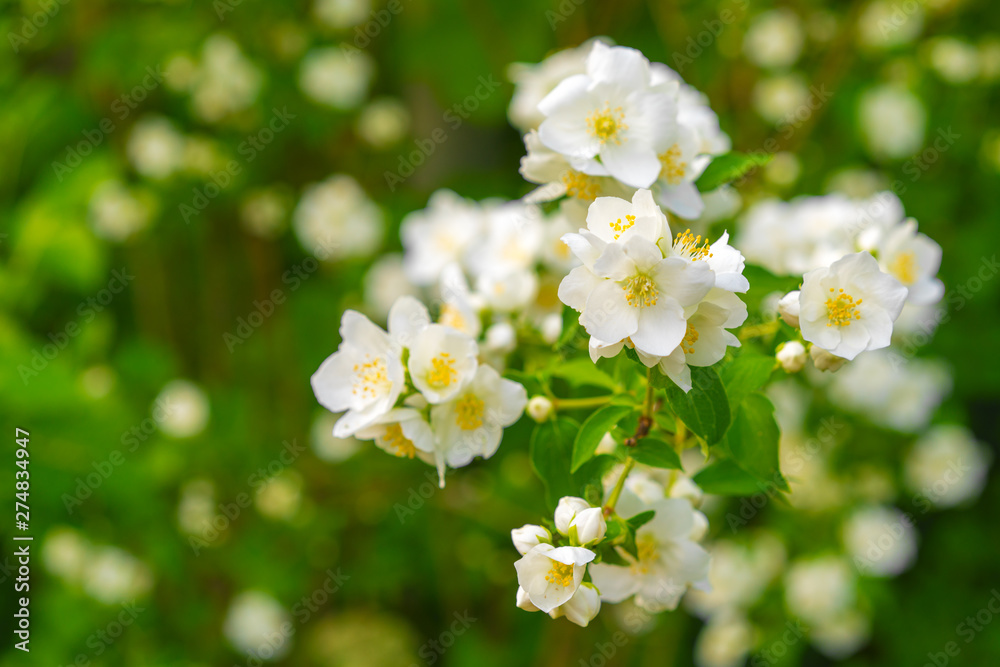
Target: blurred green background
219	71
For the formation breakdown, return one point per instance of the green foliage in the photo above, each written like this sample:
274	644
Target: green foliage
752	440
704	409
593	429
730	167
551	448
655	453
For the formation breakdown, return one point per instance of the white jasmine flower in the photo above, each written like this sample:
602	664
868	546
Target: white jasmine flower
792	356
788	308
611	113
825	361
65	553
557	177
738	574
336	219
114	576
566	510
893	121
507	292
840	636
777	98
460	307
819	588
705	338
472	423
402	432
336	79
726	262
725	641
850	307
913	259
442	362
439	235
550	576
254	623
669	561
947	466
532	82
681	163
364	376
385	283
226	82
882	24
529	536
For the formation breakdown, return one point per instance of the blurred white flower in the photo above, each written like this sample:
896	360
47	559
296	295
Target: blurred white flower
956	61
842	635
116	212
181	409
946	467
880	540
383	122
725	641
196	507
384	283
327	446
66	553
155	147
341	14
257	624
226	82
774	39
336	219
114	576
264	213
775	97
893	121
336	79
532	82
819	588
281	496
884	24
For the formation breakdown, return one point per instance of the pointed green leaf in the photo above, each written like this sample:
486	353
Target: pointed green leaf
704	409
656	453
730	167
593	430
550	451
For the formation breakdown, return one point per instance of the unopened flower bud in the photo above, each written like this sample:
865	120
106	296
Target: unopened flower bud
792	356
583	607
788	308
825	361
685	488
566	510
589	525
529	536
539	408
500	337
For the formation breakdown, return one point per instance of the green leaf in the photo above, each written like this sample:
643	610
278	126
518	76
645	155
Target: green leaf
593	430
704	409
747	373
753	440
730	167
656	453
582	371
570	327
550	450
641	519
725	478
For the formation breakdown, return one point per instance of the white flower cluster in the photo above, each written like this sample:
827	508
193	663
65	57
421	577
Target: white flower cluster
671	298
416	390
666	561
860	262
610	122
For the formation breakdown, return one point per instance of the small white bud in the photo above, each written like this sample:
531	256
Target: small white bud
566	510
552	328
788	308
590	526
699	527
528	537
583	607
792	356
825	361
539	408
685	488
501	337
523	601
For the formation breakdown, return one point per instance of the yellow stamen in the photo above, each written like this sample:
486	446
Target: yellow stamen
648	551
442	373
619	227
688	244
841	309
371	378
606	124
581	186
469	412
673	169
396	443
561	574
904	267
690	338
640	291
452	317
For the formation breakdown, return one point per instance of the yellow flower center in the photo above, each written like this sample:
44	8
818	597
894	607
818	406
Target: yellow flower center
619	227
904	267
469	412
371	378
692	246
581	186
561	574
442	373
396	443
452	317
640	291
690	338
673	169
607	123
648	551
841	308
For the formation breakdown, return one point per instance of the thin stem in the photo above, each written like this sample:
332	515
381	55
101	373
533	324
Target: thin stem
578	403
644	424
619	485
647	410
